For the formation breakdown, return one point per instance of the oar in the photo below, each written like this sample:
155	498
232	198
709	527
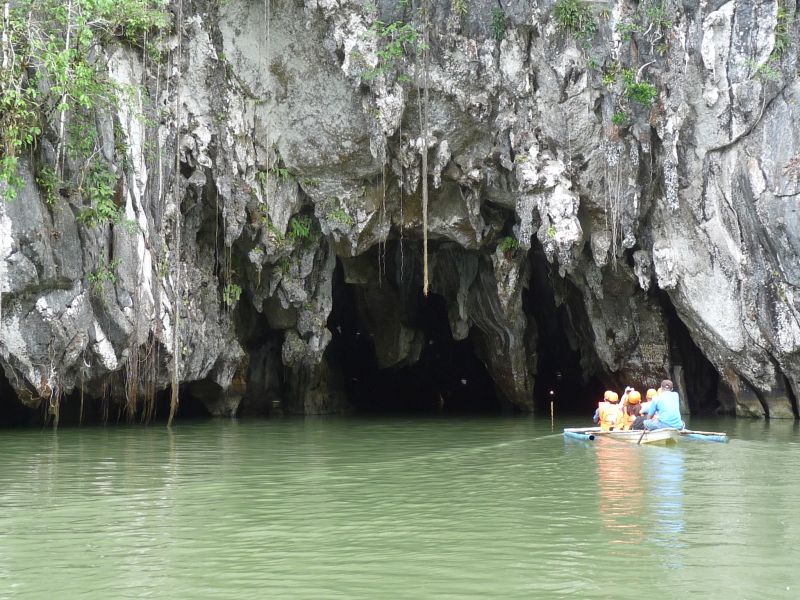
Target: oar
704	432
640	437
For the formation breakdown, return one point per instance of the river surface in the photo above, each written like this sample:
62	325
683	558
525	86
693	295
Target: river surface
396	508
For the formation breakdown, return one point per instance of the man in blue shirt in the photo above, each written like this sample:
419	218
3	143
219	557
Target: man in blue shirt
665	409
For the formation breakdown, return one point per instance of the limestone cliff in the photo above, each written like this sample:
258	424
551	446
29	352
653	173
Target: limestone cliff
646	155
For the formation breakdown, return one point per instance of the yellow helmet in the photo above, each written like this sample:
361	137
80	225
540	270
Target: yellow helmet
610	396
634	397
651	393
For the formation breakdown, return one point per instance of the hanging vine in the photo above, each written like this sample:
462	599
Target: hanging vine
422	108
176	347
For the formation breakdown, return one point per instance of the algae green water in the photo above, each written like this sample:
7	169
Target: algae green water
396	508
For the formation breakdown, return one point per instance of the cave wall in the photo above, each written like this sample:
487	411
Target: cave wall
281	139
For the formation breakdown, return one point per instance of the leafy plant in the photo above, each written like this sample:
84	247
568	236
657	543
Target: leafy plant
619	118
460	7
508	244
281	173
643	92
340	215
105	273
498	24
48	181
783	36
626	29
98	188
300	228
231	294
394	40
551	231
43	76
575	16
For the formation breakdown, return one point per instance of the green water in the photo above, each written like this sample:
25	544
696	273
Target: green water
396	508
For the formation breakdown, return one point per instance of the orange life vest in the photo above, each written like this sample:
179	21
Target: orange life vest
626	420
610	415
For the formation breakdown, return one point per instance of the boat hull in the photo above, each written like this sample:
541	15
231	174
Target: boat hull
656	436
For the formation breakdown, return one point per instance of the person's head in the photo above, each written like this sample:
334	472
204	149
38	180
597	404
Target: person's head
651	393
610	396
666	385
633	409
634	397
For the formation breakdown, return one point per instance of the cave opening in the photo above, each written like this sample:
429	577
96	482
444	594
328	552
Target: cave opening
561	370
434	374
694	375
12	412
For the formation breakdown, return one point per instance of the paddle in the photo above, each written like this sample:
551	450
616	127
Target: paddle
639	443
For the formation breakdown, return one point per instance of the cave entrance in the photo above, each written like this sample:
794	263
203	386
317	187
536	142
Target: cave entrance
435	373
695	376
12	412
560	376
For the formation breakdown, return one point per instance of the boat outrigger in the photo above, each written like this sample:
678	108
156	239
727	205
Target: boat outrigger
655	436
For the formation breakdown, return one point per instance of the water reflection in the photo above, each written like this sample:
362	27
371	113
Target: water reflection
621	498
665	514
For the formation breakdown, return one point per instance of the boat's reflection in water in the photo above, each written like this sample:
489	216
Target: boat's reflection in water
665	516
641	492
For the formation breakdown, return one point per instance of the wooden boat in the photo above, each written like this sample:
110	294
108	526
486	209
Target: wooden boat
656	436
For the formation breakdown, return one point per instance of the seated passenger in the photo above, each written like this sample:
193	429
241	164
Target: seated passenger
631	409
608	412
665	409
639	422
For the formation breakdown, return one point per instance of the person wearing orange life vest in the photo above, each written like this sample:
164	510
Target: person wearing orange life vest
638	423
608	411
630	409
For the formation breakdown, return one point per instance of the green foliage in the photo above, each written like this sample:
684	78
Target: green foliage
231	294
281	173
395	40
508	244
498	24
49	182
619	118
626	29
641	92
339	215
656	15
43	77
576	17
460	7
105	273
300	228
764	72
649	21
98	189
552	231
783	36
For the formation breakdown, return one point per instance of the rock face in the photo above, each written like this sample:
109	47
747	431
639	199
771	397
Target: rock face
653	161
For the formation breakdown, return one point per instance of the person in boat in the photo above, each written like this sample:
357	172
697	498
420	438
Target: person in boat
665	409
608	413
638	423
631	409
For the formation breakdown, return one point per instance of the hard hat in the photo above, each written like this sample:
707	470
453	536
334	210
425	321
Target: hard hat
634	397
612	397
651	393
